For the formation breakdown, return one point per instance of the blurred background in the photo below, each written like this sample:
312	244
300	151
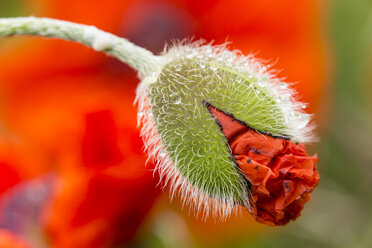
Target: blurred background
72	170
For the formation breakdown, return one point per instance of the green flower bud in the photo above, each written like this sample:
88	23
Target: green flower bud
184	138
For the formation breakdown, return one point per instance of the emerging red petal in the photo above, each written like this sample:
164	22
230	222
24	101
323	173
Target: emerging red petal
280	173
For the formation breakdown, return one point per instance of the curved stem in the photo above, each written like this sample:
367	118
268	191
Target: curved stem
138	58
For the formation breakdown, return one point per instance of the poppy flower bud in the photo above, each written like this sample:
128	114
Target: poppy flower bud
223	130
180	109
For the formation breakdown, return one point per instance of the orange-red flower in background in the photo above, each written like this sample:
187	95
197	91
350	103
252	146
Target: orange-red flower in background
102	202
71	111
9	176
10	240
49	87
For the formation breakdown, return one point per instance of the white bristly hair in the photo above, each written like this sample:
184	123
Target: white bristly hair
200	203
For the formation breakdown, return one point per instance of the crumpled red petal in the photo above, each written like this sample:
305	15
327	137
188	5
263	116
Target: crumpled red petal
281	174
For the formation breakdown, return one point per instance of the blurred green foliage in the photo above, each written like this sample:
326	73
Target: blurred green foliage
10	8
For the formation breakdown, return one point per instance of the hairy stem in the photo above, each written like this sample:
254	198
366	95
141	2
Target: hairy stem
138	58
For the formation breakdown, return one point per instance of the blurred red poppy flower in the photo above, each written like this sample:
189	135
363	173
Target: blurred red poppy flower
70	109
9	176
105	200
10	240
